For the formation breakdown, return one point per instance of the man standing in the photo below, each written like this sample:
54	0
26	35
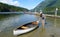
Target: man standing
43	18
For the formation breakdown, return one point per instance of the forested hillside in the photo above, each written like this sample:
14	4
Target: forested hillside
48	6
10	8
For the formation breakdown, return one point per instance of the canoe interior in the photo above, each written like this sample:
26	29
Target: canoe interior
29	25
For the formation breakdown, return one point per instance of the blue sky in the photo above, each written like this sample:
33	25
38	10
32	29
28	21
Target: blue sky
29	4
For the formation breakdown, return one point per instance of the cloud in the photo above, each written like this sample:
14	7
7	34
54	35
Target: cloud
11	2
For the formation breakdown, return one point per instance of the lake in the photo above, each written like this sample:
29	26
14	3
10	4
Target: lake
9	22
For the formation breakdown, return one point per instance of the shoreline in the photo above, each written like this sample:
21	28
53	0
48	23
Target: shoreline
48	15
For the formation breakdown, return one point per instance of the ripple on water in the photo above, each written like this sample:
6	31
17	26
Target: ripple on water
49	31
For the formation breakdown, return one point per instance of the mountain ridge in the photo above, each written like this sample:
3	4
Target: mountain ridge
10	8
47	4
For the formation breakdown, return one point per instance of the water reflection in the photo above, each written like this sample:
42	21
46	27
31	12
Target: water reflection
48	31
54	30
51	29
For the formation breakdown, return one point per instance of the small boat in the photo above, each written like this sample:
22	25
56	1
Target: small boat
25	28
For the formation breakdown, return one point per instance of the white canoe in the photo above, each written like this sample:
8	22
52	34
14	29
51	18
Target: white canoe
22	31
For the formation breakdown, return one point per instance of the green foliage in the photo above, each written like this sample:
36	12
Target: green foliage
10	8
48	6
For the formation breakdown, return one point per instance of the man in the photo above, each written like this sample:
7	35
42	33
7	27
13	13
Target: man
43	18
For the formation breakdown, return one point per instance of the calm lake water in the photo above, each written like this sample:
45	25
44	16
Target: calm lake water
51	29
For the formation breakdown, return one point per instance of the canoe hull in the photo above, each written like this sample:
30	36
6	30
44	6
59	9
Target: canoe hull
19	32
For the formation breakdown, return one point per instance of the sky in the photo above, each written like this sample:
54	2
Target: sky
29	4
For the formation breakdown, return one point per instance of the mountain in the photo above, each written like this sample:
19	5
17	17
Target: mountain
42	5
10	8
47	5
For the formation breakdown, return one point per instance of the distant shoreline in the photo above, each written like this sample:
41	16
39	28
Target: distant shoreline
48	15
11	12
